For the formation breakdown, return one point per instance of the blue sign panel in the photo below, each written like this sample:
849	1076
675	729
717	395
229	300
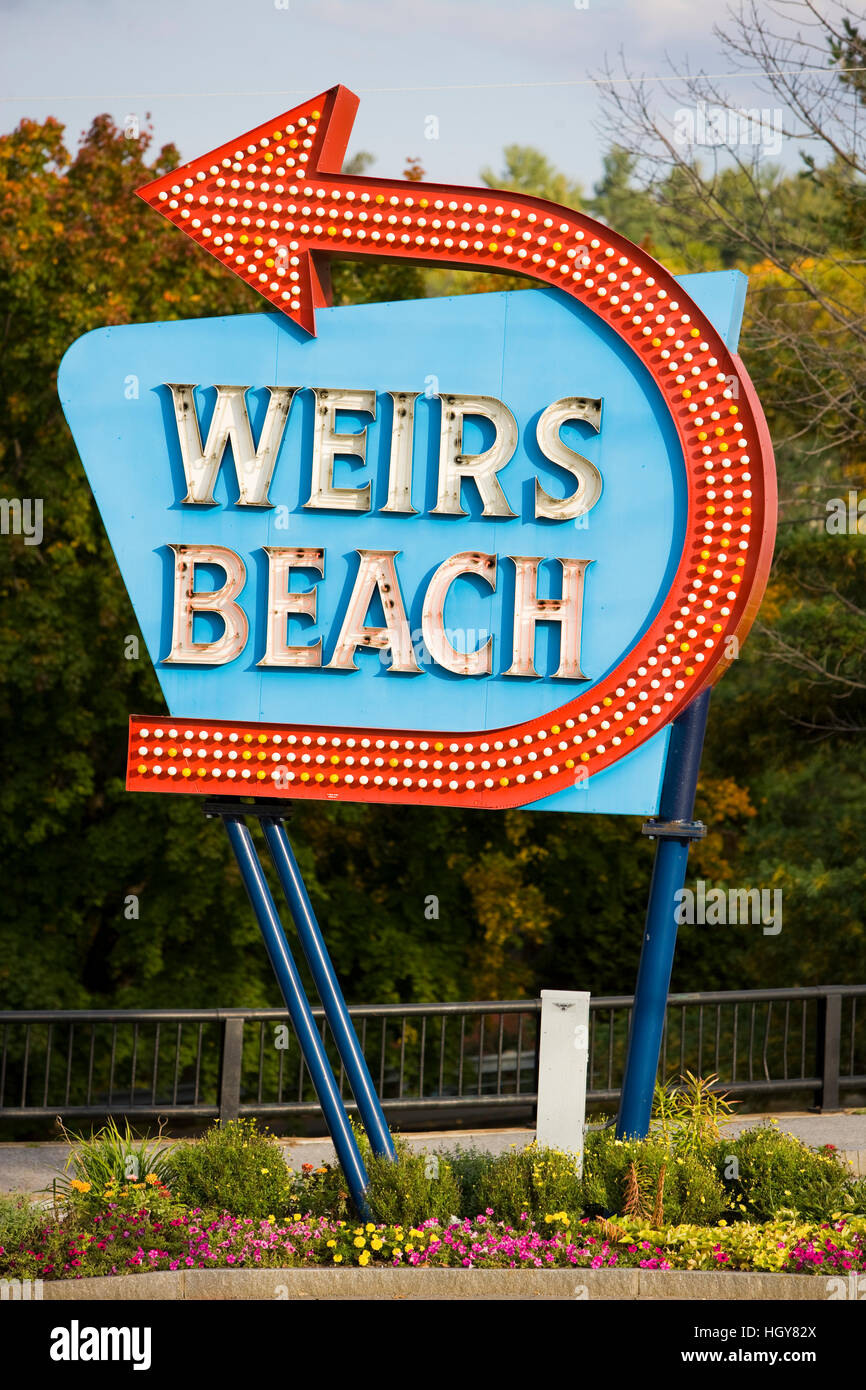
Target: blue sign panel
428	390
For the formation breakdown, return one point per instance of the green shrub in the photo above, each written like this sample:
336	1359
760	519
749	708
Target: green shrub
236	1167
534	1181
605	1170
776	1173
855	1197
693	1194
468	1165
688	1114
688	1190
108	1159
21	1223
412	1190
321	1191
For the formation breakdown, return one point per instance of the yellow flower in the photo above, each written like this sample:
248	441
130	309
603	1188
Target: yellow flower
266	1170
359	1241
79	1185
398	1250
152	1179
272	1218
369	1226
297	1216
364	1257
377	1243
331	1244
338	1259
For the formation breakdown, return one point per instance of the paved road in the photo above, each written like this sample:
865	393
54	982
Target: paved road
31	1167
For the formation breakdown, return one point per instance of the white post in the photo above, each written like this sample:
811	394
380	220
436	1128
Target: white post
564	1050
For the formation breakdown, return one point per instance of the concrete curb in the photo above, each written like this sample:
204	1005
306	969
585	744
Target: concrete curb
459	1285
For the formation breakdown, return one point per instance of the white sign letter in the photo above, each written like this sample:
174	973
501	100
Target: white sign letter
187	603
327	444
454	465
282	603
377	573
230	424
477	663
588	489
529	609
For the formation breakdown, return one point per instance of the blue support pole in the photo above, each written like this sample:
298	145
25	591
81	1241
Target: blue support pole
316	952
304	1025
674	830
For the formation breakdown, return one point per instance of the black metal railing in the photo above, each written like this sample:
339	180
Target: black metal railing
432	1060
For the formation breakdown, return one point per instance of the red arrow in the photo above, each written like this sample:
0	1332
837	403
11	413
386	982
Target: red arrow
235	201
272	206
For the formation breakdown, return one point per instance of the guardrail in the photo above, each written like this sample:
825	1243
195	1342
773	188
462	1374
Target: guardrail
433	1060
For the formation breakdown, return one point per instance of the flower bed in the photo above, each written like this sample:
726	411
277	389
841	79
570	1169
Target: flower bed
122	1243
682	1199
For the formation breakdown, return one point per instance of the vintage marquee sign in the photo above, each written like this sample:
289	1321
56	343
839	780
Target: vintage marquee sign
476	551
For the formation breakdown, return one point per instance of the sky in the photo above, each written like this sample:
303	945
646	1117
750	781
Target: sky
491	72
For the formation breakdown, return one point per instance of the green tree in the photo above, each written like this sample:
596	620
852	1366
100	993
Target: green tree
619	202
787	722
527	170
107	896
421	904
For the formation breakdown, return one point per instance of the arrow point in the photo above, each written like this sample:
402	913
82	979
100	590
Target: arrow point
234	201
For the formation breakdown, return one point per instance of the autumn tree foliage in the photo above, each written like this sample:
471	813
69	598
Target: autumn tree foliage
135	900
